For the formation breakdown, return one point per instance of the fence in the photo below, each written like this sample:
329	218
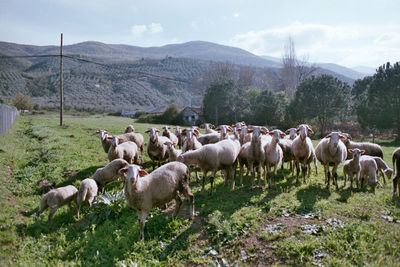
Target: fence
7	117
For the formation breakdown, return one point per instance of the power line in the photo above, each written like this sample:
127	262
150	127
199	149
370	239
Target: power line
3	56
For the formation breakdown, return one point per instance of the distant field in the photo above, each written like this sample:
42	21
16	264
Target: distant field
290	225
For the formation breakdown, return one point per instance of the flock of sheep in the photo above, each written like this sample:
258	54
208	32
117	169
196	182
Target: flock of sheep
253	147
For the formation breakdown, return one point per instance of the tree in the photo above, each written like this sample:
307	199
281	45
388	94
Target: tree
23	102
322	98
377	99
267	109
294	70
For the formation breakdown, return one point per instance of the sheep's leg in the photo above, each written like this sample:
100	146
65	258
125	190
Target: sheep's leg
197	175
225	176
304	172
142	221
52	211
232	176
212	182
251	167
188	194
266	169
335	176
204	181
141	154
259	174
275	173
241	174
383	176
43	206
178	203
395	182
327	176
309	170
358	179
78	210
316	166
297	171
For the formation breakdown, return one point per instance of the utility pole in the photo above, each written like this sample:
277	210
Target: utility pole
61	83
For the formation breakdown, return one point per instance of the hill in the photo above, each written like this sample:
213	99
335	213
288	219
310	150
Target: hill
128	77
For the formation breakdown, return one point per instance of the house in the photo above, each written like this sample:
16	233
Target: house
192	116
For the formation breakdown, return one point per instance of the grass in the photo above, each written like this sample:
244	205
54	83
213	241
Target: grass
231	226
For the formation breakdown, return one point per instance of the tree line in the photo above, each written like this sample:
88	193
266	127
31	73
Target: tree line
323	101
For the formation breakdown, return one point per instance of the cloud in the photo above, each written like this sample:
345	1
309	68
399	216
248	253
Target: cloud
349	45
152	28
236	15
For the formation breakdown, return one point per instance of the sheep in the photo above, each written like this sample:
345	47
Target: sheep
288	156
214	157
127	150
383	168
56	198
273	155
369	169
303	150
253	153
173	153
396	168
371	149
224	130
87	192
108	173
291	133
211	138
181	138
171	136
129	129
160	187
106	143
137	138
156	149
331	151
208	127
352	166
245	136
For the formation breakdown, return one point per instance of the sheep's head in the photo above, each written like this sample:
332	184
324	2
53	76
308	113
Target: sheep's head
129	129
243	130
153	134
131	173
178	130
335	137
224	130
102	134
115	140
257	131
303	130
292	132
277	134
170	144
357	152
348	138
388	172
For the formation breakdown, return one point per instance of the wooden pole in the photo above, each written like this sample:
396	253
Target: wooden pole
61	83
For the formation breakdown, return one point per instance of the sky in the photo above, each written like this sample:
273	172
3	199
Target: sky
346	32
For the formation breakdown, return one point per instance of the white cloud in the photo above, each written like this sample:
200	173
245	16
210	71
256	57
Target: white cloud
155	28
236	15
349	45
138	30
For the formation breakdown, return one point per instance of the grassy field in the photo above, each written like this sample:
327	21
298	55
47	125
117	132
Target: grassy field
290	225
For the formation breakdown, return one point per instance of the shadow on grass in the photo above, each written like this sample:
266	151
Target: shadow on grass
309	196
82	174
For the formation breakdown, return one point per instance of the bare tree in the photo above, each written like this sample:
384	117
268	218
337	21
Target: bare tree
218	71
294	71
246	75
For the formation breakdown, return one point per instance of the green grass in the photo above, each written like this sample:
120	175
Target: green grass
228	224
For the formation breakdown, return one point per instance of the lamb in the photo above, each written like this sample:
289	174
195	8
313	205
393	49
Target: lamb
291	133
273	155
288	156
383	168
396	168
106	143
369	169
254	153
208	127
181	138
303	151
137	138
171	136
129	129
127	150
245	136
156	149
56	198
108	173
87	192
214	157
352	166
331	151
173	153
370	148
160	187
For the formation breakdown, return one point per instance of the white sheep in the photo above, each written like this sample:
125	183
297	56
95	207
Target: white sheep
170	135
303	151
160	187
330	151
108	173
245	135
181	138
191	143
273	155
371	149
156	149
291	133
288	156
396	168
137	138
383	168
224	131
352	166
86	193
127	150
129	129
208	128
56	198
210	138
214	157
173	153
106	143
369	169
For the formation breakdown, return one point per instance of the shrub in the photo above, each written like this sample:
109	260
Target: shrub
23	102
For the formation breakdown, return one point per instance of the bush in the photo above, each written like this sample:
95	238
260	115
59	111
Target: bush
23	102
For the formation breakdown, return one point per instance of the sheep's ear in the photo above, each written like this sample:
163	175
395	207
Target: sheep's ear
271	133
120	140
243	123
250	130
287	131
123	171
283	134
342	137
351	150
109	137
309	129
212	126
105	132
328	136
233	125
195	133
239	129
157	131
362	152
143	172
166	143
230	129
147	131
174	143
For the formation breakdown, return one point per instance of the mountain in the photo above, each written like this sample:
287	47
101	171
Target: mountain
127	77
342	70
363	69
